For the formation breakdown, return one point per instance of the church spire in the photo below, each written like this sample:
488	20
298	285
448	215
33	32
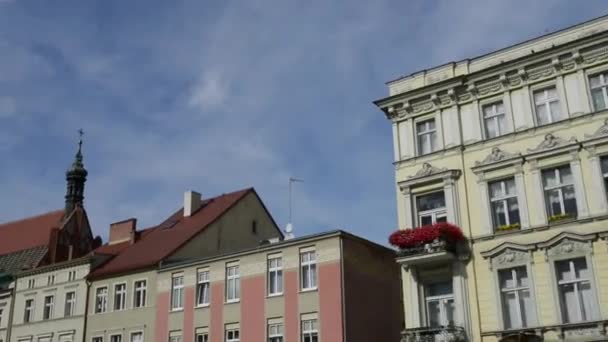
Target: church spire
75	176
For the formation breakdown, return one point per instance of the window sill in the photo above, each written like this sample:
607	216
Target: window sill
312	289
274	295
202	306
176	310
233	301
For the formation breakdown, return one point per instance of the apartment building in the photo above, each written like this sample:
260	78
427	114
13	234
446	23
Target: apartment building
326	287
501	166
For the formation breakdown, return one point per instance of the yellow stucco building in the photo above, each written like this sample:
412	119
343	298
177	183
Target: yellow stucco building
512	147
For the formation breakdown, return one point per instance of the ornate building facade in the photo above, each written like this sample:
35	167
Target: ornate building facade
511	147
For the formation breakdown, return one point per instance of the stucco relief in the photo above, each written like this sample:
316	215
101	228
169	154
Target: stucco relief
581	333
497	155
427	170
602	131
551	142
568	246
510	257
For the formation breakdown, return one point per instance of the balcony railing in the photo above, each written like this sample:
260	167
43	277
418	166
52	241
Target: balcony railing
440	239
434	334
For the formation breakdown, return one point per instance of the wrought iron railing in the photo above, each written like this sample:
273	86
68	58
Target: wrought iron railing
434	334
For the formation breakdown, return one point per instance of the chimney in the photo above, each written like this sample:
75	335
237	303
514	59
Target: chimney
123	231
192	201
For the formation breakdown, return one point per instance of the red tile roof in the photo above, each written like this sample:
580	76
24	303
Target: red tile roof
29	232
158	242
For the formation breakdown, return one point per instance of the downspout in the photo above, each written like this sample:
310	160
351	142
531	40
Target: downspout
86	309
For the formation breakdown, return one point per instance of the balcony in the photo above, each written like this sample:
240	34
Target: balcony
438	242
434	334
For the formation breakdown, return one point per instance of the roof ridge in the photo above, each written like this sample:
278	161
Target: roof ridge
31	217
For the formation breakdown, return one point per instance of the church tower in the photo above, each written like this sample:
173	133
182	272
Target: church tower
75	176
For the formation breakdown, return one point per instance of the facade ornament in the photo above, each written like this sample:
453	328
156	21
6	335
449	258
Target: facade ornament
556	63
435	99
497	155
452	94
427	170
551	142
510	257
602	131
568	246
504	80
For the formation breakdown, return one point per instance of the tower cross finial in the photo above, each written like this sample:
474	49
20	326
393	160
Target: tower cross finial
80	133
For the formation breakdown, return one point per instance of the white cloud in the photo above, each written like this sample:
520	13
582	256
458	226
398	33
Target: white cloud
210	92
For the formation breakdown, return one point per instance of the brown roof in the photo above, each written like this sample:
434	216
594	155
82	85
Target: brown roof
158	242
29	232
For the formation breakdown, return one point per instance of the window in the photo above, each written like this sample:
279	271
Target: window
517	305
175	337
70	304
426	136
440	307
116	338
101	299
604	165
275	276
275	332
599	95
120	296
232	335
137	336
546	103
31	283
494	119
202	288
51	280
177	292
574	288
431	208
560	198
308	269
139	294
310	331
97	339
49	303
202	337
232	284
503	202
71	275
0	317
28	314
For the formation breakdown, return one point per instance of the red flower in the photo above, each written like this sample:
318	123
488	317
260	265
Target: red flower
409	238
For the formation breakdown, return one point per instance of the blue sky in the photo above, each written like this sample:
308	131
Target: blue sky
219	95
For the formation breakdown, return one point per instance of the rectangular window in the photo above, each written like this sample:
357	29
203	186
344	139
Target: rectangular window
202	288
275	332
308	270
202	337
275	276
31	283
440	306
494	119
0	317
426	136
560	198
139	294
137	336
71	275
120	297
49	303
97	339
101	300
604	165
546	103
574	287
175	336
70	304
51	280
177	292
598	84
233	286
28	314
430	208
517	305
310	332
116	338
503	202
232	335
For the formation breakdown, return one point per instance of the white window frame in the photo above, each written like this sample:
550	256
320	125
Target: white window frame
114	336
576	282
275	332
309	329
516	290
48	308
275	275
71	275
177	291
504	199
204	337
308	266
435	214
140	292
97	339
494	116
603	76
233	283
428	135
70	304
203	284
175	336
136	332
233	338
604	174
559	187
29	310
119	300
546	102
442	300
51	280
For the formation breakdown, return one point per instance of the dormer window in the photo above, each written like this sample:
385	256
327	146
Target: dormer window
426	135
431	208
494	119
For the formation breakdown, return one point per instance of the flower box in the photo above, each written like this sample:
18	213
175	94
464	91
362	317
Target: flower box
427	239
507	227
560	217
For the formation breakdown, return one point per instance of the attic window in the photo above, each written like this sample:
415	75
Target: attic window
254	227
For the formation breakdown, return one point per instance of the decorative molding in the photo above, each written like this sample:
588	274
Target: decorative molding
568	247
602	131
497	155
551	142
507	247
511	257
427	170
